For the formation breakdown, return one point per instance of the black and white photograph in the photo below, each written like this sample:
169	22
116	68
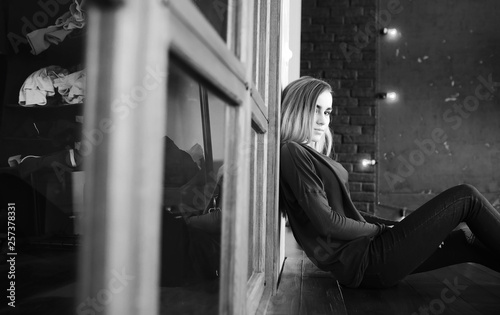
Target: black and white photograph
259	157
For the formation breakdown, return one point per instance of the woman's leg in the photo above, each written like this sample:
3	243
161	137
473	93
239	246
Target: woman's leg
459	247
415	244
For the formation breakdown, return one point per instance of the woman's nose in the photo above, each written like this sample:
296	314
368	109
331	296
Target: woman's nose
321	119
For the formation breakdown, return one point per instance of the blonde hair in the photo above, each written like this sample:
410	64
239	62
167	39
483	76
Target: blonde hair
298	104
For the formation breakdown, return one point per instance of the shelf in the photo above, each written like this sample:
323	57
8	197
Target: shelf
56	241
78	106
43	112
25	139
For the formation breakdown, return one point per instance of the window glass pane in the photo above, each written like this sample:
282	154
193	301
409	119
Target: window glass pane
216	12
191	216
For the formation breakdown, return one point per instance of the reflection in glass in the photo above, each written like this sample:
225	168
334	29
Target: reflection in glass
192	215
216	12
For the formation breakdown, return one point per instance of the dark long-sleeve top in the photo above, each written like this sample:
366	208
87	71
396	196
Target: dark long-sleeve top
314	193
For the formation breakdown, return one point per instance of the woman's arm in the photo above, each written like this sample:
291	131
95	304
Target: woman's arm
374	219
298	172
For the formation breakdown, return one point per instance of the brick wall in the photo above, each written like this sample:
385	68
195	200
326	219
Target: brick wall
338	41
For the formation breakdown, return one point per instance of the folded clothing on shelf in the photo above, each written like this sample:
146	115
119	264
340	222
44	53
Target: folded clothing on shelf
41	39
65	160
39	85
71	87
44	83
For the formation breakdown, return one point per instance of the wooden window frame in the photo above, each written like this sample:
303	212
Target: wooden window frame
123	186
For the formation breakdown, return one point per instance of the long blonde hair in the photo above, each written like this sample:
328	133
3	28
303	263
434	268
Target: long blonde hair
298	104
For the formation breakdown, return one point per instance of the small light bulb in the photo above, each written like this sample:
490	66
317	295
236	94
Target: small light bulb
392	32
392	96
366	162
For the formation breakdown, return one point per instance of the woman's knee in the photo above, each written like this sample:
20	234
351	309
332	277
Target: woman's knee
468	190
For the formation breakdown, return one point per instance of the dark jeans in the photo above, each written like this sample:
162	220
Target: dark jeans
427	239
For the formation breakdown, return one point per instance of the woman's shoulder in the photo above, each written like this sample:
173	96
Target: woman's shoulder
294	156
295	149
291	145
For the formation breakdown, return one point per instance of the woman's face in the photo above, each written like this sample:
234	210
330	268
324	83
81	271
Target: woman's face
321	116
